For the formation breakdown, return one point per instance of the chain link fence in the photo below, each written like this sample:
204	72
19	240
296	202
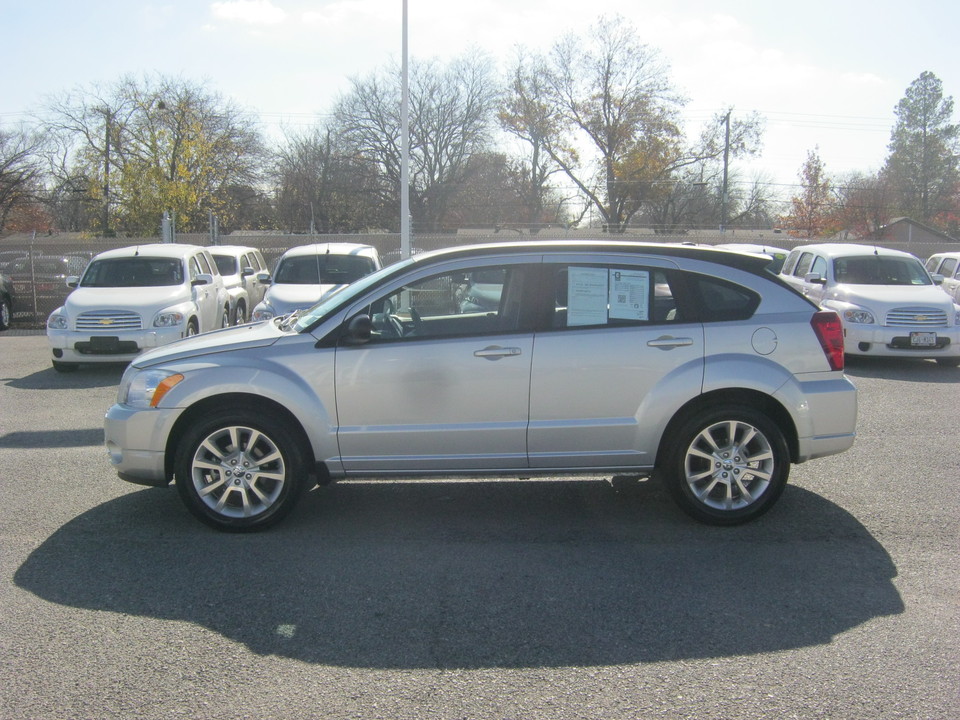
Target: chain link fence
39	265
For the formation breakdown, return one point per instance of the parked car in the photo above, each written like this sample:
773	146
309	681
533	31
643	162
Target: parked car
134	298
40	281
777	255
6	301
888	303
946	265
307	274
239	266
720	380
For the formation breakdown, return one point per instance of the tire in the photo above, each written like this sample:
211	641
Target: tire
64	367
6	316
241	315
192	328
225	317
728	465
239	471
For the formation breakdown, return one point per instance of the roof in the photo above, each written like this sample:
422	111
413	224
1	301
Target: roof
175	250
852	249
331	249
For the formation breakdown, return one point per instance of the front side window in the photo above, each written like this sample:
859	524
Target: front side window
458	303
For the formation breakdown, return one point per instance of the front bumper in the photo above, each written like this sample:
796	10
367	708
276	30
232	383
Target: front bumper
136	442
121	346
879	341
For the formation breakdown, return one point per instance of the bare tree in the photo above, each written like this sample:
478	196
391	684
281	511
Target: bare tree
451	114
20	169
605	111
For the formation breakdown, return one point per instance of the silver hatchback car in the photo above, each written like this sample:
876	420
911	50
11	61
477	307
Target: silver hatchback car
596	358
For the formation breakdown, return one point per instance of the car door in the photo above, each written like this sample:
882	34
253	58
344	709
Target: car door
437	389
616	347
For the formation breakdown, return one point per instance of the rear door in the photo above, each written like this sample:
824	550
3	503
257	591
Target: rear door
618	352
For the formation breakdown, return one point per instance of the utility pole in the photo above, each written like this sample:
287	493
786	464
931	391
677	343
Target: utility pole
726	160
404	144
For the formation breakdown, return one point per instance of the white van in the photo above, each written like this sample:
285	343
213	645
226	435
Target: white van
134	298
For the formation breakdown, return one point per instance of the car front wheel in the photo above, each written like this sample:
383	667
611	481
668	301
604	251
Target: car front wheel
727	466
239	471
6	317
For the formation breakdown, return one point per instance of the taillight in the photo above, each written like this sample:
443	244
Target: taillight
826	324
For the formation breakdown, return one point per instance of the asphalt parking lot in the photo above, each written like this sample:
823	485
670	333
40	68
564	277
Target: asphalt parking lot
551	599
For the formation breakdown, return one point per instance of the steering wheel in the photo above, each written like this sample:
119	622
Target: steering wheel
394	326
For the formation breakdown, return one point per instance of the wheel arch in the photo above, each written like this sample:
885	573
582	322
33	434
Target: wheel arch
743	397
240	401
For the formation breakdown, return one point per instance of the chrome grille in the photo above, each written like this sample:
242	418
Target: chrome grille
106	320
916	317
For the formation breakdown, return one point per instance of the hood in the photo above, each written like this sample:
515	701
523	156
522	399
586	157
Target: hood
286	297
234	338
890	296
142	300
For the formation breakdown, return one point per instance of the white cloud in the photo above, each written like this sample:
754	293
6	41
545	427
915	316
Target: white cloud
249	12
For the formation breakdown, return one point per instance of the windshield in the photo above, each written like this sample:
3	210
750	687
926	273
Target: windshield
322	269
329	304
133	272
880	270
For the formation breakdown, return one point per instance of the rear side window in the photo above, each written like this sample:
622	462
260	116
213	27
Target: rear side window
718	300
600	296
948	267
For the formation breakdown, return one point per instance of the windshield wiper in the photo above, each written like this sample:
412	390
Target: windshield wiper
287	322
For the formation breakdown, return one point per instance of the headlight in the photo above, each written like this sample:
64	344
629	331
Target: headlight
56	321
170	319
263	312
859	315
145	389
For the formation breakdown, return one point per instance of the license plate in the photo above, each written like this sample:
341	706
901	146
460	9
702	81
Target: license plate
104	344
923	339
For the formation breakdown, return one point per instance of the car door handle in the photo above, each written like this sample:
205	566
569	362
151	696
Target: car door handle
665	342
495	352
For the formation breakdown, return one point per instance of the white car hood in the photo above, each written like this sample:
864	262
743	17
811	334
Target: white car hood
143	300
285	297
890	296
232	338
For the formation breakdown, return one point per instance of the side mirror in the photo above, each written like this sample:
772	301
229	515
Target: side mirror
203	279
246	272
264	277
74	280
937	278
359	330
815	279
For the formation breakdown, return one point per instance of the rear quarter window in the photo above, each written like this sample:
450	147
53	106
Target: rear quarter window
720	300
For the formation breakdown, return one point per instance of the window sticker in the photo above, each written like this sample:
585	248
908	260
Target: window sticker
586	296
629	295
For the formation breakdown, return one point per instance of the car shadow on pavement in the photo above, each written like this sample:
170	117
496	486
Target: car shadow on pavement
92	376
916	370
475	575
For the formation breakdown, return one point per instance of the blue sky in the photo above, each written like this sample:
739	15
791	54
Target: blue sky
825	75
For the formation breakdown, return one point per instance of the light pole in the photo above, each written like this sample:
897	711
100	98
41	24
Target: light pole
404	147
726	160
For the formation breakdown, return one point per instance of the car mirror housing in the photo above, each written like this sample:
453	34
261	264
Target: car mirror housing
815	278
264	277
247	272
937	278
202	279
359	330
74	280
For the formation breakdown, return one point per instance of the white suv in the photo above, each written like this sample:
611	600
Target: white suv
307	274
945	268
134	298
240	266
595	358
888	303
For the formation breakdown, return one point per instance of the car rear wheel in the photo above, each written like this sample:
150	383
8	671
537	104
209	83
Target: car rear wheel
727	466
241	316
239	471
